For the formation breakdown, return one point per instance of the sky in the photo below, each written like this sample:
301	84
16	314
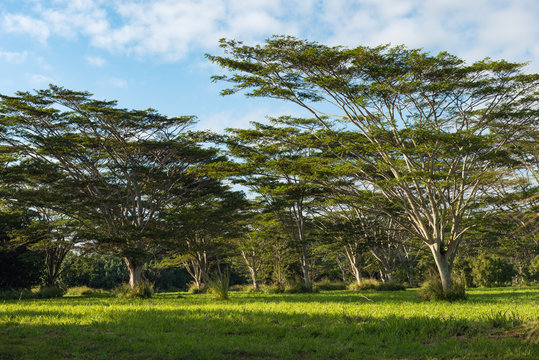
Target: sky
150	53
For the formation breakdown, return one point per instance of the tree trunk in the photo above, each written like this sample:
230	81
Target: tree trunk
305	266
443	265
389	275
253	277
136	268
354	259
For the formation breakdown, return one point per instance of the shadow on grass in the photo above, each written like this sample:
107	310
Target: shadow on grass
222	333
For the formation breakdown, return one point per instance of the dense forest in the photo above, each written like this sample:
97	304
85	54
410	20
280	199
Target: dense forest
410	167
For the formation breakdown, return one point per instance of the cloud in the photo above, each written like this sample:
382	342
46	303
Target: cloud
36	28
39	79
13	57
96	61
171	30
114	82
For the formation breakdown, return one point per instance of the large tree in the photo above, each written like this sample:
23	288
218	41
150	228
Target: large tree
119	168
432	132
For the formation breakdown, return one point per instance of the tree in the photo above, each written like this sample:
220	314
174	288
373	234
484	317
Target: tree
122	167
19	267
204	230
271	163
430	133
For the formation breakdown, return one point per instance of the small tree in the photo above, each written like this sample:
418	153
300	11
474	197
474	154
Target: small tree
271	164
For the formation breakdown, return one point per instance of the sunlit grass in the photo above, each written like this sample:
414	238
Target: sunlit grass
492	323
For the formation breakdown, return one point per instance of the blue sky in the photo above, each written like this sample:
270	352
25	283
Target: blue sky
151	53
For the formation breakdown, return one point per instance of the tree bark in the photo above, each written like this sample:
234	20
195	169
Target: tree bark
305	266
443	265
136	268
354	259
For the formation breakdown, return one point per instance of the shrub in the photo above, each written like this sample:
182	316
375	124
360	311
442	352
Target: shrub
329	285
366	284
488	270
432	290
86	291
390	286
243	287
11	294
271	289
47	292
143	290
194	289
462	270
373	284
220	286
533	269
296	286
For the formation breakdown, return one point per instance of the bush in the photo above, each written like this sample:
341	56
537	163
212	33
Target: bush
366	284
373	284
432	290
462	270
271	289
296	286
243	287
533	270
488	270
143	290
47	292
390	286
220	286
86	291
194	289
329	285
11	294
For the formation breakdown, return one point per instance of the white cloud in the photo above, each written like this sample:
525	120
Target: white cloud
172	29
39	79
13	57
36	28
95	61
114	82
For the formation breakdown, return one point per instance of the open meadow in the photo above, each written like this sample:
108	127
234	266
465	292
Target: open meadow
491	323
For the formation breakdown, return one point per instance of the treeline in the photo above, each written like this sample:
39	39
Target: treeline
426	167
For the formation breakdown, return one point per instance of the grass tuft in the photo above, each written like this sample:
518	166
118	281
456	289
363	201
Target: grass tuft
144	290
220	286
432	290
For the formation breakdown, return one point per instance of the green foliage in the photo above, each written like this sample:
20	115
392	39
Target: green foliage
143	290
490	270
533	270
327	284
194	289
271	289
11	294
431	290
462	269
373	284
296	286
20	268
86	291
47	292
426	132
390	286
219	286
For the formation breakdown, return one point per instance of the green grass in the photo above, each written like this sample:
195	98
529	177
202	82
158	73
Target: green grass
492	323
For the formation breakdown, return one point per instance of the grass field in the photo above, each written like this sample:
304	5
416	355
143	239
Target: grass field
492	323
